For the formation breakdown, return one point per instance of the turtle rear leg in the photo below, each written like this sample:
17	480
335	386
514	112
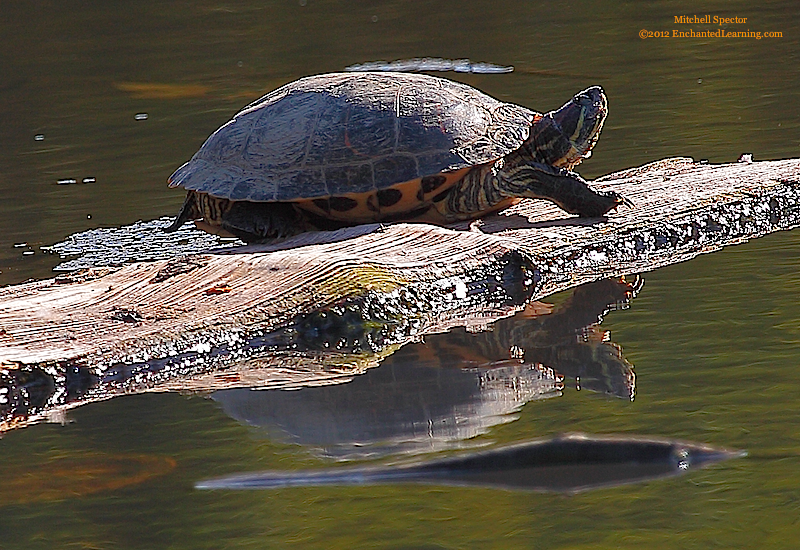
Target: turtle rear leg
259	221
249	221
565	188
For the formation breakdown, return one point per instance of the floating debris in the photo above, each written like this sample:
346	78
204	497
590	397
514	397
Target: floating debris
430	64
73	181
140	116
39	137
153	90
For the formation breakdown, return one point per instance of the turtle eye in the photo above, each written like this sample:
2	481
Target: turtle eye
590	96
584	99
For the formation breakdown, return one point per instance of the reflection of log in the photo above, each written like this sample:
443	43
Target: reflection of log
404	271
326	348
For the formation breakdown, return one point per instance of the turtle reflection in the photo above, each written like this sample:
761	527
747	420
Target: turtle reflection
437	394
567	339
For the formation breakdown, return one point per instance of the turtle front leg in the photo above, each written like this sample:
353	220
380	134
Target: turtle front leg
563	187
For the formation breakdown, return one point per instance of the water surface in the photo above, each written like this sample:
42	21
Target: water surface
715	342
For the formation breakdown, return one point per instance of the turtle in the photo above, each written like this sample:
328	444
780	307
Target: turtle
341	149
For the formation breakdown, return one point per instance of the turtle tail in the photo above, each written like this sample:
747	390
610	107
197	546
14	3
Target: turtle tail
188	212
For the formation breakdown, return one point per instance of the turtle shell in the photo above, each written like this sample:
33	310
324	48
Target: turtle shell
344	133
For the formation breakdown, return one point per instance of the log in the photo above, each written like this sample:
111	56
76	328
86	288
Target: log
413	278
569	463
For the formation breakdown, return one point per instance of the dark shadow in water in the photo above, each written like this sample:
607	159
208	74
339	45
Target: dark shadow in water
569	463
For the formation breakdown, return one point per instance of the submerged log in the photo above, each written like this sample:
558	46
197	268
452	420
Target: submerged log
570	463
417	278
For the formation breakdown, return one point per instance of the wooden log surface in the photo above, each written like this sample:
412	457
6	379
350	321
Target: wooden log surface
434	276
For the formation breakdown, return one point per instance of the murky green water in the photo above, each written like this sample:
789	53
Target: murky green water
715	342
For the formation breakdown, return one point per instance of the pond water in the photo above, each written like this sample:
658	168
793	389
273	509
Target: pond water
714	342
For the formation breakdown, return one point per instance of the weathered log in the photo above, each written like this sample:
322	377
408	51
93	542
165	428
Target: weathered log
419	277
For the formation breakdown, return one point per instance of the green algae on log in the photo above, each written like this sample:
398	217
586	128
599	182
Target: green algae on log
424	277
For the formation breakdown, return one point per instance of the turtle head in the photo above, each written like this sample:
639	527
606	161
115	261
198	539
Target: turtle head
566	136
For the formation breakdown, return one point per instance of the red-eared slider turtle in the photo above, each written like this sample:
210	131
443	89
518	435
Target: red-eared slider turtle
341	149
